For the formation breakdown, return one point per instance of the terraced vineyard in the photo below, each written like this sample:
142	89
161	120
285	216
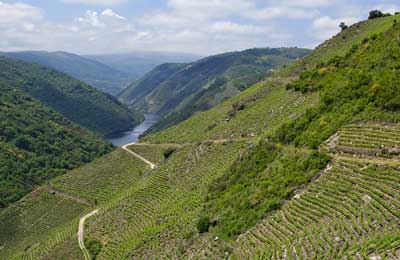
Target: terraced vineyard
352	210
168	203
368	139
103	179
253	113
153	153
45	223
36	223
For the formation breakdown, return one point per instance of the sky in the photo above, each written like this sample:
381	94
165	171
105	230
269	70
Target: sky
192	26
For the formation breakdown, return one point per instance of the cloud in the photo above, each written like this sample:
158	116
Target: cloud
95	2
111	13
325	27
18	12
283	11
305	3
387	8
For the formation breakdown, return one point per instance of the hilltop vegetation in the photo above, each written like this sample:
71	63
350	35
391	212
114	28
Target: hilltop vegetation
179	90
75	100
91	72
38	144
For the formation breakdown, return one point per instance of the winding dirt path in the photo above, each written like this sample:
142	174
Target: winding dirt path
81	227
80	233
125	147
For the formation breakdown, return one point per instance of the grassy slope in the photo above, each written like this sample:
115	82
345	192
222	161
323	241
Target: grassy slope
42	223
362	84
201	124
179	90
77	101
153	153
266	106
350	211
165	205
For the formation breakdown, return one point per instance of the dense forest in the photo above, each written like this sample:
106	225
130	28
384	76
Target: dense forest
77	101
38	144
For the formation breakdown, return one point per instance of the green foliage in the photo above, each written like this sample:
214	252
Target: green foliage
266	106
168	152
258	184
39	218
377	14
94	247
203	224
179	90
343	26
94	73
75	100
37	144
360	84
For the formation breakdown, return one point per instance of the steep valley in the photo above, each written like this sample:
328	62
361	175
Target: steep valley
303	164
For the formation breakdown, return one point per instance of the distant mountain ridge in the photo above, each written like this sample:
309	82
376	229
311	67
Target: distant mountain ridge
179	90
99	75
140	63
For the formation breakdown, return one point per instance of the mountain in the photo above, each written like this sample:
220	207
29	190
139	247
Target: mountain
75	100
301	165
140	63
93	73
179	90
38	144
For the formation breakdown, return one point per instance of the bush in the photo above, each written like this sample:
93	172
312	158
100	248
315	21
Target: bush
376	14
168	152
203	224
343	26
94	247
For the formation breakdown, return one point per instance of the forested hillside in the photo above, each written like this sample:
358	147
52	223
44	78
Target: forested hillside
38	144
91	72
179	90
75	100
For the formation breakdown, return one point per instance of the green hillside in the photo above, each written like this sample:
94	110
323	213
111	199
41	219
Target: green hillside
38	144
39	222
75	100
93	73
302	165
179	90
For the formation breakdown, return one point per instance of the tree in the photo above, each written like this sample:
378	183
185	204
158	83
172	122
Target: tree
376	14
343	26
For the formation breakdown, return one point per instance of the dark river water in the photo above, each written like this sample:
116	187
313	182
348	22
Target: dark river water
133	135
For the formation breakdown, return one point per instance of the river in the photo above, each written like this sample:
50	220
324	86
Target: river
133	134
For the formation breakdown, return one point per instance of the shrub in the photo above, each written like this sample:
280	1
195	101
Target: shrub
168	152
94	247
343	26
203	224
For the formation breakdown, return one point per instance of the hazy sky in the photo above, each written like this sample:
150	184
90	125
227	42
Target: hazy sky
194	26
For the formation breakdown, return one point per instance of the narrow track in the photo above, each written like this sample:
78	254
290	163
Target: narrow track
152	165
80	233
